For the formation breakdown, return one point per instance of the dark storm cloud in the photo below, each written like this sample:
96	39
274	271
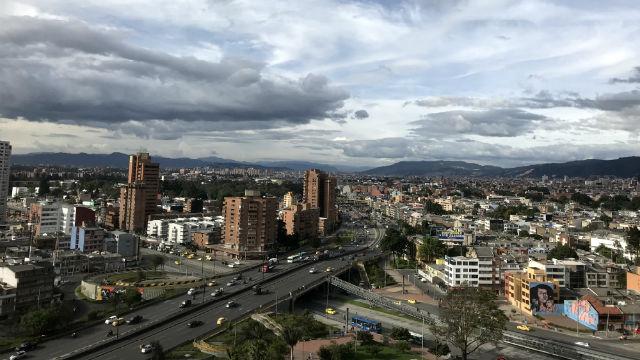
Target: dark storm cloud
66	71
480	152
634	78
497	122
361	114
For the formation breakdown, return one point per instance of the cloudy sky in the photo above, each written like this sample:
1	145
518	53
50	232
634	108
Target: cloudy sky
345	82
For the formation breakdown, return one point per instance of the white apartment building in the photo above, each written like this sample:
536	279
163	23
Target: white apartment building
612	241
5	155
478	269
461	270
180	230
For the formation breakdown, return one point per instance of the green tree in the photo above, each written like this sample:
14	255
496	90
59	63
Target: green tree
132	297
394	242
43	186
44	320
430	249
633	242
365	338
469	318
562	252
400	333
291	335
156	260
256	338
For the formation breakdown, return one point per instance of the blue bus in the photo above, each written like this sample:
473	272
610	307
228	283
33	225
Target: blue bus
366	324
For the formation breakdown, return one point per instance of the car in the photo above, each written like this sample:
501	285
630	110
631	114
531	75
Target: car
313	271
523	327
209	257
191	291
329	269
18	355
217	292
147	348
582	343
212	283
231	304
330	311
185	303
177	262
231	283
110	319
411	301
194	323
231	265
221	321
423	279
117	322
134	320
398	302
26	346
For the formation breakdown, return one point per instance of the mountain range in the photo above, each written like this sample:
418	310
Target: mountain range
623	167
120	160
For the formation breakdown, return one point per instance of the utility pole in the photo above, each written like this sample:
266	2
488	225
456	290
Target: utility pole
204	281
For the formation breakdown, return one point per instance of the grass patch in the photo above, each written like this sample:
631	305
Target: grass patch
377	275
186	351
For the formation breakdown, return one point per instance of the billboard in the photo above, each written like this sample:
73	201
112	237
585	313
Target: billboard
583	312
541	297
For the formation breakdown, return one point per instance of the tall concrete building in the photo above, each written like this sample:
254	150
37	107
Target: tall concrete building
320	192
139	198
5	155
301	220
250	226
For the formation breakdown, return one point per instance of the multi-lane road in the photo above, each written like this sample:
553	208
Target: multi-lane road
175	332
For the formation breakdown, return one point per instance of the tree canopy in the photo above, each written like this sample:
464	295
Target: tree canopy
431	249
469	318
562	252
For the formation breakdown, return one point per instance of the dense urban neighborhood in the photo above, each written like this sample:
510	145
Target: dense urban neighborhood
549	259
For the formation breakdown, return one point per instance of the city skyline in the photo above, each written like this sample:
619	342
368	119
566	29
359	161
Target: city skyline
503	83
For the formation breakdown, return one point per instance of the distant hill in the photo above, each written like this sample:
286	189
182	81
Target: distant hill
622	167
299	165
114	160
434	168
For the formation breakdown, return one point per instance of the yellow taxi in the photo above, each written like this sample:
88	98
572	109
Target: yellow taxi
523	327
221	321
411	301
330	311
177	262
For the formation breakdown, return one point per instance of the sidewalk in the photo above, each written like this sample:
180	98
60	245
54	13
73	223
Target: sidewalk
411	291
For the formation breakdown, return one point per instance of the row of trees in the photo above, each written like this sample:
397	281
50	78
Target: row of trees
220	189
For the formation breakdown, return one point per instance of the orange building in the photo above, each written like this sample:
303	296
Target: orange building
532	291
302	220
250	225
139	198
633	280
320	192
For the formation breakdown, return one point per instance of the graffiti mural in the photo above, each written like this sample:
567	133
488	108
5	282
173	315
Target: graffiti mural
541	296
583	312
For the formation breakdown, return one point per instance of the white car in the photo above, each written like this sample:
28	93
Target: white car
145	349
111	319
313	271
191	291
423	279
18	355
582	343
231	265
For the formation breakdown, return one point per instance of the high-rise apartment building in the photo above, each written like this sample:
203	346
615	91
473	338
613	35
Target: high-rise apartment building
250	226
288	200
5	154
320	192
139	198
301	220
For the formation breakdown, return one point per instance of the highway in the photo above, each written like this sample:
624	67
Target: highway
176	332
